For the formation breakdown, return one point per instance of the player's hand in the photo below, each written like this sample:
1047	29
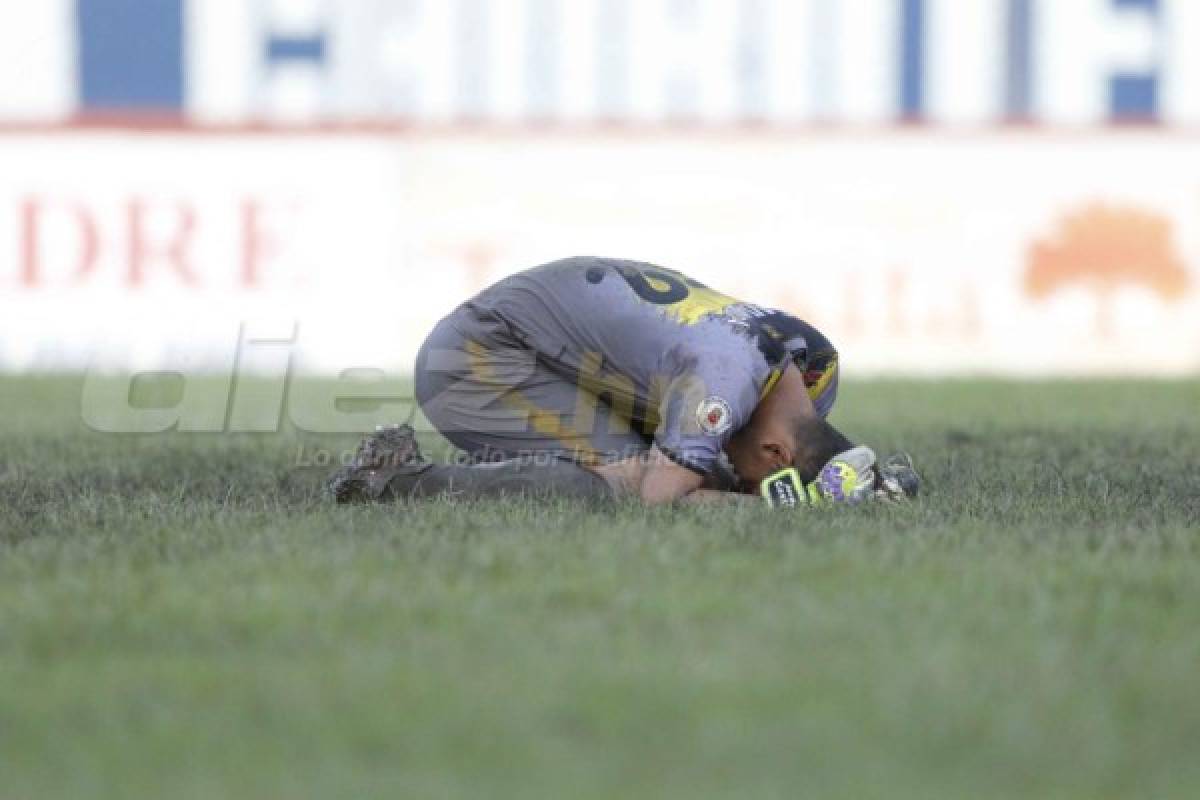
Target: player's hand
849	478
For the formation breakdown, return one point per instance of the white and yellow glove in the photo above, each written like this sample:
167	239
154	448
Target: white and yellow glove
849	478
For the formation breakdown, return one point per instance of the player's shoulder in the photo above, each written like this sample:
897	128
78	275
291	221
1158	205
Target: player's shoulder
797	337
598	266
581	263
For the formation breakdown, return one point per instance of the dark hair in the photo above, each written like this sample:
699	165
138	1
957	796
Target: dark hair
816	442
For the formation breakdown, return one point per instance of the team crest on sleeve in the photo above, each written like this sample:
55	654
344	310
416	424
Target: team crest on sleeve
714	416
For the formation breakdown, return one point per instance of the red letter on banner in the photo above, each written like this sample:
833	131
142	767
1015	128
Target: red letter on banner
257	244
31	250
173	252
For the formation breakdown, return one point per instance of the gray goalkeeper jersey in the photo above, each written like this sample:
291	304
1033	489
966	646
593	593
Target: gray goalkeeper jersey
686	364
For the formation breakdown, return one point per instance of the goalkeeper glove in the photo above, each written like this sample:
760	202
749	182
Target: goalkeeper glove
850	477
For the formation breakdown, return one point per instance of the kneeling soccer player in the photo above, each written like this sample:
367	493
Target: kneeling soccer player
597	378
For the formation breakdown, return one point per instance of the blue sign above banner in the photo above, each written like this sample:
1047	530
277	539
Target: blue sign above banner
783	61
131	55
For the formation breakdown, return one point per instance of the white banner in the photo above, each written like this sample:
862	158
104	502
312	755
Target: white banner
1016	254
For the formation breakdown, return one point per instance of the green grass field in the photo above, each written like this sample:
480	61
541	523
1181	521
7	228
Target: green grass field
183	616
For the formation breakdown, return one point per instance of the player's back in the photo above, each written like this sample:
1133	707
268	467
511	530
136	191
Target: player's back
670	355
636	319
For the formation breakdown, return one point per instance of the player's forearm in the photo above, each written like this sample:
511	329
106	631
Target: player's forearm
666	482
658	490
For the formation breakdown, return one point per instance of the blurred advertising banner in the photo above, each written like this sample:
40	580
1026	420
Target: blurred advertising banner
918	253
1059	62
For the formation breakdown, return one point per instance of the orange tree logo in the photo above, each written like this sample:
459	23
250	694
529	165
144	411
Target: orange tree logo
1105	248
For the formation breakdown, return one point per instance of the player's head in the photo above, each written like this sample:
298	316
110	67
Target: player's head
785	431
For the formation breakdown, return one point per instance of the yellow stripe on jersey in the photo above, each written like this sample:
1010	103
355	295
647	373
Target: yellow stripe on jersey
825	381
699	304
772	379
814	392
